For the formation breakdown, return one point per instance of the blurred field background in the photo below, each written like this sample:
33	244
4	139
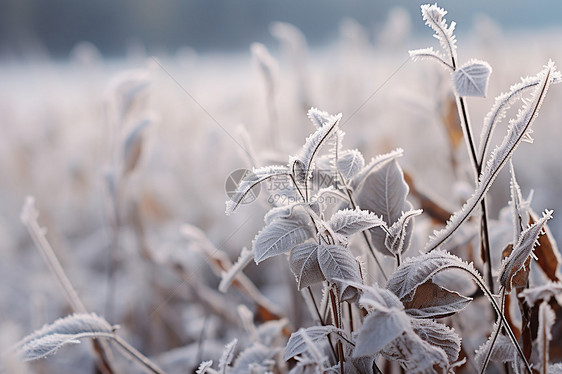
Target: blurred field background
68	69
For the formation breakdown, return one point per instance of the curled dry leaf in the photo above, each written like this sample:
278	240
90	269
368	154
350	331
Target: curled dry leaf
433	301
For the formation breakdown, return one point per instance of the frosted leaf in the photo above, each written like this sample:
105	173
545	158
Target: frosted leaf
433	301
430	54
320	118
398	235
555	369
519	207
375	298
502	103
324	196
303	161
284	211
380	328
543	292
256	354
348	222
439	335
498	159
67	330
227	355
521	251
359	178
251	180
350	162
415	271
228	276
434	18
303	261
205	367
279	237
471	79
384	192
417	355
297	344
337	262
544	335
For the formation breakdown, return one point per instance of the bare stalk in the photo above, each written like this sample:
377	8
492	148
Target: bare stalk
29	217
337	323
484	235
133	353
496	334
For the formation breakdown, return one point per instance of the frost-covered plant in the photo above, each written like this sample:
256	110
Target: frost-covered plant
370	315
367	324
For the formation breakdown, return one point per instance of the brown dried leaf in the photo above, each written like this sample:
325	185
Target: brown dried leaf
451	121
432	300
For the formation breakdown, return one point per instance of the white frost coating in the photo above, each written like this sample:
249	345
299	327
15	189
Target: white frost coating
429	54
350	162
350	221
434	18
67	330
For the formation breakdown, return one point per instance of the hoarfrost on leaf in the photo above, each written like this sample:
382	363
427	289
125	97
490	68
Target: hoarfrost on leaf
279	237
471	79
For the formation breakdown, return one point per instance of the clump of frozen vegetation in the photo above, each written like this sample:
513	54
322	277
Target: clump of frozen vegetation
475	294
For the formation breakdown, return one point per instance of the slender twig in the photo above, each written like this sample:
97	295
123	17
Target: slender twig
132	352
315	306
499	313
350	311
201	340
337	323
496	334
485	243
376	368
29	217
484	235
322	321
